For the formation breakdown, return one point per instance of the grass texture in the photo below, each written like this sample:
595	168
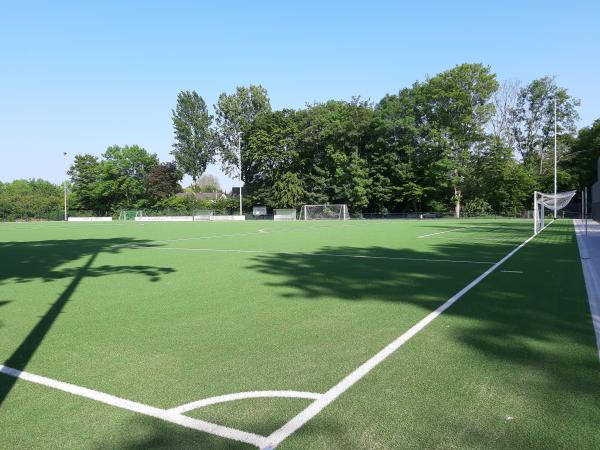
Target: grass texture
169	313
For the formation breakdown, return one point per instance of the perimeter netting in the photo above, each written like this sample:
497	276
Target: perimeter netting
553	202
324	212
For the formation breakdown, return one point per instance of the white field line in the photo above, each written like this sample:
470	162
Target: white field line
465	228
241	396
511	271
334	255
168	416
441	232
591	271
317	406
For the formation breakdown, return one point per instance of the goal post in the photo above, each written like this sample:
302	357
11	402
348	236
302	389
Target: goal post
285	214
552	202
324	212
203	214
130	214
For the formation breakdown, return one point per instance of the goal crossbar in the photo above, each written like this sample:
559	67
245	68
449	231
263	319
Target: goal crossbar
324	212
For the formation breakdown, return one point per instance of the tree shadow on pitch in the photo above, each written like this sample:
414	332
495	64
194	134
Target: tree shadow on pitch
23	262
538	321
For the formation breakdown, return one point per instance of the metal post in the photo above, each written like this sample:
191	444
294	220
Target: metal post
535	213
555	159
240	163
65	185
585	211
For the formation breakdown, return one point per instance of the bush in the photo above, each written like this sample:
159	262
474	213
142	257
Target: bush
477	207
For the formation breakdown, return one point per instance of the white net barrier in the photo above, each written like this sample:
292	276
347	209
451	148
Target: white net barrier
324	212
562	199
551	202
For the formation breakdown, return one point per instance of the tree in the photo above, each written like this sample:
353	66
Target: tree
118	180
194	146
533	120
86	175
581	160
206	183
458	106
124	172
163	180
234	114
271	163
333	143
505	102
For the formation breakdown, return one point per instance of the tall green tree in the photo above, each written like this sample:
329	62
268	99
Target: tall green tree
118	180
532	121
124	173
271	161
581	160
458	106
234	114
86	178
195	147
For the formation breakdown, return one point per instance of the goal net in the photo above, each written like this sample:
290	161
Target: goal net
284	214
203	214
130	214
548	203
324	212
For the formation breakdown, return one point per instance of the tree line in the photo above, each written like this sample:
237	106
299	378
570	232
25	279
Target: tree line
460	140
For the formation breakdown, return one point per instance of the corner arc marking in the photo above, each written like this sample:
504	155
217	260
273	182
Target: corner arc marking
242	396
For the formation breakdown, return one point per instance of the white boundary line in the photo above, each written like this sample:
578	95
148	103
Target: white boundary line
168	416
321	400
317	406
241	396
591	273
441	232
334	255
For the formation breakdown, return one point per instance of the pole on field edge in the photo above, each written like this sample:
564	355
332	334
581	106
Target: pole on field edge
585	211
555	159
65	185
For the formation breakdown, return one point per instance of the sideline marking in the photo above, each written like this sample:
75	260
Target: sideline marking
334	255
241	396
511	271
163	414
591	273
317	406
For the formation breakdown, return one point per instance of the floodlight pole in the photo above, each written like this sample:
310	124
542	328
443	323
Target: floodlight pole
555	159
240	163
65	185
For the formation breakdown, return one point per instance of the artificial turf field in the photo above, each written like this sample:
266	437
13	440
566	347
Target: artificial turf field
164	314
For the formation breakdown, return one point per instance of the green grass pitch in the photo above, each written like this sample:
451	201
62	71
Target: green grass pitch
164	314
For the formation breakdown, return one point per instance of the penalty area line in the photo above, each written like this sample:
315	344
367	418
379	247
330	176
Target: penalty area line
328	397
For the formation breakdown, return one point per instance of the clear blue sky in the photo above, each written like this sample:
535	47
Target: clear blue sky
80	76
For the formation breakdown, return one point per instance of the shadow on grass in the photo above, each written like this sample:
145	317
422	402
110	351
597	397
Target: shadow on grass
537	321
146	433
2	303
42	260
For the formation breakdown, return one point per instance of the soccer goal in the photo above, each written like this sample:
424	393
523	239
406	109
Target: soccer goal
130	214
203	214
324	212
284	214
543	202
